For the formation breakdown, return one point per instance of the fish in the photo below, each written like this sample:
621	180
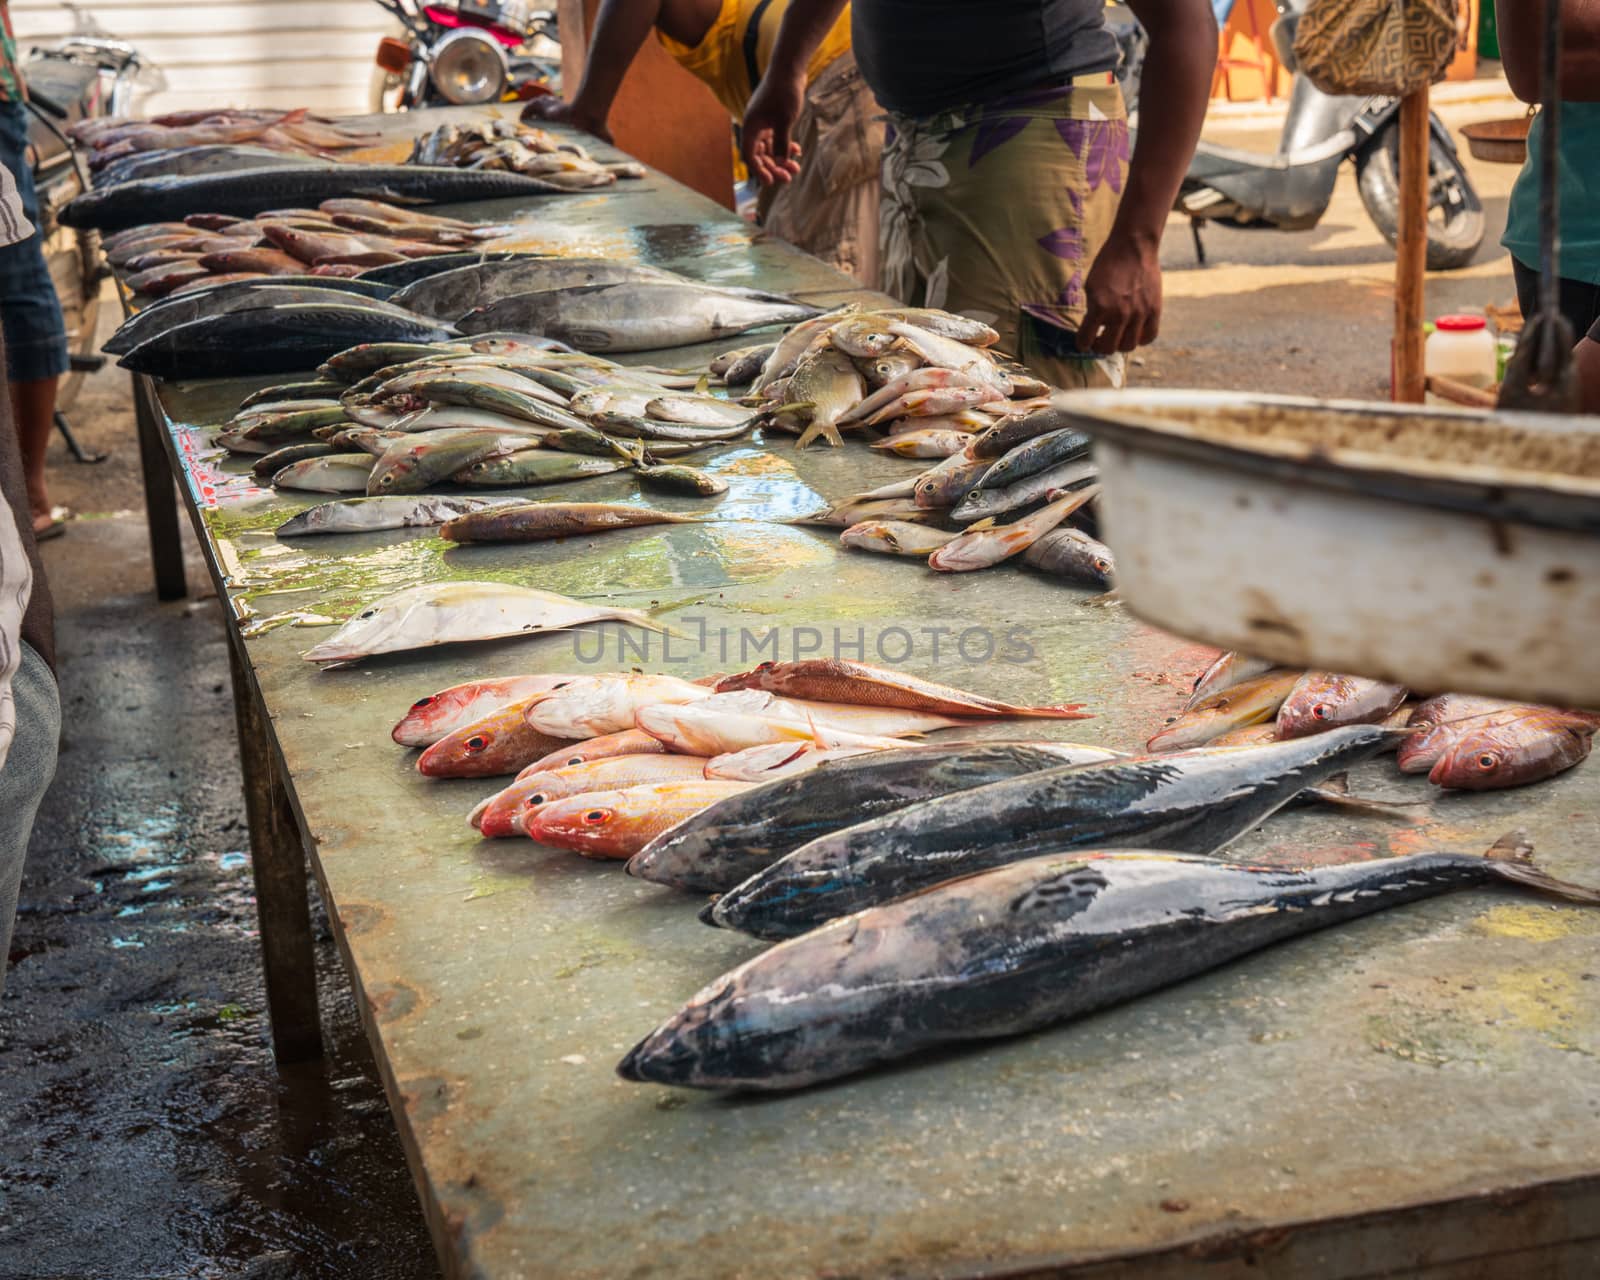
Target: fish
316	390
723	847
924	444
1074	556
894	537
633	316
863	336
534	521
449	295
215	299
246	193
681	479
933	401
268	465
838	680
185	162
437	715
288	424
1038	454
271	262
438	613
631	742
775	760
788	350
502	742
946	483
1226	671
335	473
591	707
944	324
1513	750
744	365
985	544
855	511
1018	429
1325	699
270	340
370	515
534	467
1436	722
166	277
506	812
828	385
366	358
617	824
986	504
949	353
700	411
415	461
1190	803
1234	707
622	424
704	729
1020	948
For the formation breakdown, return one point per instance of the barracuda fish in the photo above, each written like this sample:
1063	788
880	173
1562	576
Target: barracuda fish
924	444
986	504
1324	700
336	473
535	521
1234	707
1228	670
679	479
617	824
632	742
268	465
246	193
270	340
1038	454
985	543
1074	556
1020	948
370	515
894	537
725	846
635	316
534	467
594	706
432	614
507	812
1193	803
449	295
501	743
835	680
438	715
415	461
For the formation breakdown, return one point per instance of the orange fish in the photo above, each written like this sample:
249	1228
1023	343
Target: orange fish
633	742
506	812
442	713
617	824
502	742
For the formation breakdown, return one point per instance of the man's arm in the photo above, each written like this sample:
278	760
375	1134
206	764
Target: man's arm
620	30
774	107
1124	285
1520	24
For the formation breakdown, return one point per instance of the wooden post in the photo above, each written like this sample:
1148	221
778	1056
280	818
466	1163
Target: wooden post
1411	256
160	500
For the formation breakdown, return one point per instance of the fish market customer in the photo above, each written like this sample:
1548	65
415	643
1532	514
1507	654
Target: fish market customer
1008	190
831	211
1521	30
30	312
30	709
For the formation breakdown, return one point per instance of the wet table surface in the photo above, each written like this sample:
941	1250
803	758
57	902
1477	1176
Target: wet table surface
1284	1111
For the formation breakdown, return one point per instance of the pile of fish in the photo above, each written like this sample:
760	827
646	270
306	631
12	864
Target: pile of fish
340	237
121	149
1461	742
518	148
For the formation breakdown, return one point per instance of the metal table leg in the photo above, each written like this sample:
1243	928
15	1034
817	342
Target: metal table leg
278	862
160	502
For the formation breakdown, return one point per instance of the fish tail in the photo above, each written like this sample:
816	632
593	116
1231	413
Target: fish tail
1510	858
1055	711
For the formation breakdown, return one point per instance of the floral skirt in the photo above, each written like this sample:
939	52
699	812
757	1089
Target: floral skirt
997	211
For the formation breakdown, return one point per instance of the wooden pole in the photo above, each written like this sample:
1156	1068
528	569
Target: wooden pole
1411	257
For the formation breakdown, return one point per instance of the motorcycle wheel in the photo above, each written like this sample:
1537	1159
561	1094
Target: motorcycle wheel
1455	214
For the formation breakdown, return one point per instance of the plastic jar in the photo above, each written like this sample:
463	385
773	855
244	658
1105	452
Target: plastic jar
1462	349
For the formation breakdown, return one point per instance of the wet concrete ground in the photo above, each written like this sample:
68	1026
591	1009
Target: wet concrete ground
147	1132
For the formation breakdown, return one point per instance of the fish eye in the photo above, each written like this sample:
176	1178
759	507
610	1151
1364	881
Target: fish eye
597	817
1488	761
1102	566
574	760
476	743
420	703
1322	711
369	613
536	799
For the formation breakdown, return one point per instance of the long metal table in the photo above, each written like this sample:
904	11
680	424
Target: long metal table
1414	1094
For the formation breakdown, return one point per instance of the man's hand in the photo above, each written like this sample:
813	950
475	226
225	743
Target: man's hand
773	156
551	108
1124	291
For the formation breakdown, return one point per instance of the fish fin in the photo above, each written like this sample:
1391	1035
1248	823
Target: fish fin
708	914
1338	796
826	430
792	407
702	385
977	526
1511	859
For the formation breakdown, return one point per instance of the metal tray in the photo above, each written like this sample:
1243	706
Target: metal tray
1443	549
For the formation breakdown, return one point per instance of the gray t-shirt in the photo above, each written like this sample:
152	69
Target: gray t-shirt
920	57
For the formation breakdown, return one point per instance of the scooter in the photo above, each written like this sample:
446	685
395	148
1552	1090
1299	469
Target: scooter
466	52
1290	190
79	78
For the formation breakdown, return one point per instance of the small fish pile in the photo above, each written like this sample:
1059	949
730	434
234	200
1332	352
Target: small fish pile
518	148
386	419
1461	742
342	236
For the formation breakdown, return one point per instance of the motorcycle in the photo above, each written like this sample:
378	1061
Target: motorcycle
468	52
79	78
1290	190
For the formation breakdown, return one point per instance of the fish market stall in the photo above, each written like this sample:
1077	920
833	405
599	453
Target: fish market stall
1420	1084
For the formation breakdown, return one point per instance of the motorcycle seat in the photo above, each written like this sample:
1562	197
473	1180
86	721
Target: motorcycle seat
1234	157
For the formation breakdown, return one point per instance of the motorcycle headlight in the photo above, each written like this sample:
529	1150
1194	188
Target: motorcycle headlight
469	67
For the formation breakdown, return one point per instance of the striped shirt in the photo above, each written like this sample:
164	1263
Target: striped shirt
16	575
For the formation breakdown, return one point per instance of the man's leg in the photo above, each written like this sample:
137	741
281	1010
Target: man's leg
29	766
33	407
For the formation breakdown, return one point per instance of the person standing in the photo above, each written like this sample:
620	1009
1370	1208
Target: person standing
30	707
30	312
832	211
1009	193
